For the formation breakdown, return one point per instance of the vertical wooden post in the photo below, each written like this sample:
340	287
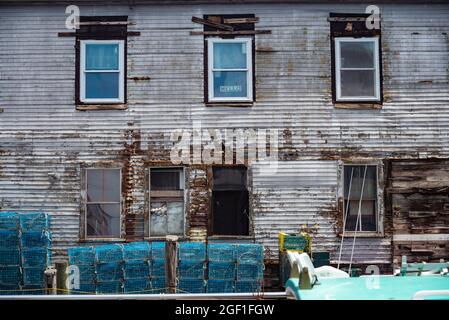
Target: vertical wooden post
61	277
171	262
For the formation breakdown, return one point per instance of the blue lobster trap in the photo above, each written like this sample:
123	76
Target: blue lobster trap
158	250
33	239
137	251
9	258
9	239
10	275
35	257
158	268
85	288
142	285
134	269
109	287
220	286
191	269
9	290
158	284
9	221
249	271
191	285
224	252
249	252
192	251
34	222
33	276
221	270
87	273
112	271
81	255
109	253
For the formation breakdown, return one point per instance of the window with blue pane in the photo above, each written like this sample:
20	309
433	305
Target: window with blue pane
102	71
230	69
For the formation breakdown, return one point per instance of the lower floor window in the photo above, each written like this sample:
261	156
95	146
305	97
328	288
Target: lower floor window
166	201
230	200
103	203
360	197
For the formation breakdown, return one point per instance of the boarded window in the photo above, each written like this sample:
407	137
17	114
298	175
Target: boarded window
103	203
360	197
230	201
166	201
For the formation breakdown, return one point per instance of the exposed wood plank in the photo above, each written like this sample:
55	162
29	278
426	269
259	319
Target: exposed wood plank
241	20
102	107
212	24
229	33
74	34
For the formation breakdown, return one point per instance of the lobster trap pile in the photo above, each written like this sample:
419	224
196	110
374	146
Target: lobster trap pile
25	252
139	267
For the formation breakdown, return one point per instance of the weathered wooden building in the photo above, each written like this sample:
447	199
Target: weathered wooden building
89	119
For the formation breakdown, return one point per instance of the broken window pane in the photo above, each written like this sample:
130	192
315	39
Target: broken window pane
166	179
158	219
360	196
103	185
175	218
167	217
103	220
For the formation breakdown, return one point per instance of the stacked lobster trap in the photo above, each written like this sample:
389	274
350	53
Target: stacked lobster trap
25	252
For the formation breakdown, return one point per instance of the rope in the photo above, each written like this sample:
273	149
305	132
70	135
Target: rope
359	217
345	218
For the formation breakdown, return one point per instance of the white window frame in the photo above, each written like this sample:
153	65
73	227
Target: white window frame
338	69
182	178
83	71
248	69
379	204
86	202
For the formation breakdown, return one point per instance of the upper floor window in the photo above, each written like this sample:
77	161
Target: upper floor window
357	76
356	60
102	71
230	70
102	203
100	76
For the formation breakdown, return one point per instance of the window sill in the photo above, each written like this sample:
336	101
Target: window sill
230	104
362	234
163	238
89	240
88	107
248	238
358	106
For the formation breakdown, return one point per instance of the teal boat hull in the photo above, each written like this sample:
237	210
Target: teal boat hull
371	288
